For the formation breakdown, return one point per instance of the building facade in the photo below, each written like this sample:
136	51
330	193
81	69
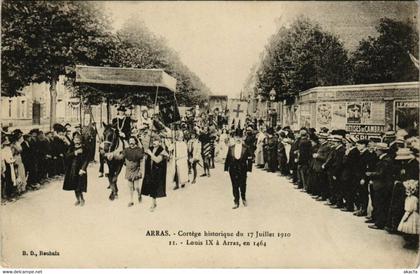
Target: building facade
363	110
32	108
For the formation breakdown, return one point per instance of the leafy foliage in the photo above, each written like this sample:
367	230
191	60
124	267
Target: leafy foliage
300	57
385	58
42	40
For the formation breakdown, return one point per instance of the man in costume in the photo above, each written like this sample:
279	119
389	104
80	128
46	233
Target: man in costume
238	163
122	123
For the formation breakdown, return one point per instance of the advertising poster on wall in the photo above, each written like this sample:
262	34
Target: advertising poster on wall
354	113
406	115
338	119
305	120
324	114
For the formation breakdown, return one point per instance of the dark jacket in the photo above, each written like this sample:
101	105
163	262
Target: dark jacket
75	163
323	151
124	125
351	166
305	152
382	177
334	163
240	166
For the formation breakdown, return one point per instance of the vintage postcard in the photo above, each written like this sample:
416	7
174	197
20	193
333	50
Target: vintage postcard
219	134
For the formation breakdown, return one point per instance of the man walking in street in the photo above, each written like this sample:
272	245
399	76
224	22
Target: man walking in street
238	163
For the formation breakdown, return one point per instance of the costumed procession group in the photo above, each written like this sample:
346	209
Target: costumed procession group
376	180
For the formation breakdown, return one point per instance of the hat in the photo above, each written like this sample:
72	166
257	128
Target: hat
34	130
404	154
389	134
59	128
341	132
121	108
411	186
351	139
363	142
303	133
5	139
381	146
336	138
324	130
15	135
238	133
323	135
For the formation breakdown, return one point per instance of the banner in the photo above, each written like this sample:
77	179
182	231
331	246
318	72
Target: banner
169	113
237	112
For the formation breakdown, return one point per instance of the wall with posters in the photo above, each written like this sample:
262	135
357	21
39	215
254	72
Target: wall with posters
363	110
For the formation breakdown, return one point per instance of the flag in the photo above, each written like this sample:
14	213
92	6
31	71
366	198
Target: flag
414	60
169	113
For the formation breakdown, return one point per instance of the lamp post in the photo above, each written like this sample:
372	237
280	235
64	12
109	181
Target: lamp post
272	96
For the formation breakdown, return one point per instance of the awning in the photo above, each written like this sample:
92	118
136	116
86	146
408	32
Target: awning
125	77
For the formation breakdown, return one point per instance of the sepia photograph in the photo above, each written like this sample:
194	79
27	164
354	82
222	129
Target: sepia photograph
209	135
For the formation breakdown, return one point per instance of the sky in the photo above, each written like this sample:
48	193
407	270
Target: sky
221	41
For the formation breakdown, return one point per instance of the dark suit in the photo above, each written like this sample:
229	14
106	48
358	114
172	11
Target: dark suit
334	167
350	176
362	189
382	179
124	125
321	179
237	170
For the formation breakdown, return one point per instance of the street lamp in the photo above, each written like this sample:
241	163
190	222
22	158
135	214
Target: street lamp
272	95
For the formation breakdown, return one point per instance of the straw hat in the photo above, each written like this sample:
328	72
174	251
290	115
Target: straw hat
404	154
336	138
381	146
411	186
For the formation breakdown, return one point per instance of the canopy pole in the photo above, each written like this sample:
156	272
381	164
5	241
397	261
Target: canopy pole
154	112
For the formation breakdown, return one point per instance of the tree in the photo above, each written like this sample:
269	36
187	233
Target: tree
300	57
140	48
41	38
385	58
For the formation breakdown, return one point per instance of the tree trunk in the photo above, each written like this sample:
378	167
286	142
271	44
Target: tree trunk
80	111
53	102
108	111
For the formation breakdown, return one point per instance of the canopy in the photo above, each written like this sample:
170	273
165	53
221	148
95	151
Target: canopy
125	76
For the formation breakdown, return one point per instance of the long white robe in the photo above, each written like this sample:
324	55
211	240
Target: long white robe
259	152
181	155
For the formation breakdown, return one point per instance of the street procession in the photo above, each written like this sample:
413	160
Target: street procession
113	123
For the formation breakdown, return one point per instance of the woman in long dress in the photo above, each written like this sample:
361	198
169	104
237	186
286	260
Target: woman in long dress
259	152
17	139
75	178
169	147
181	160
154	181
223	145
8	175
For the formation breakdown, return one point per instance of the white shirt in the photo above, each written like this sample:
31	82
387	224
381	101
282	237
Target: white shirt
238	151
